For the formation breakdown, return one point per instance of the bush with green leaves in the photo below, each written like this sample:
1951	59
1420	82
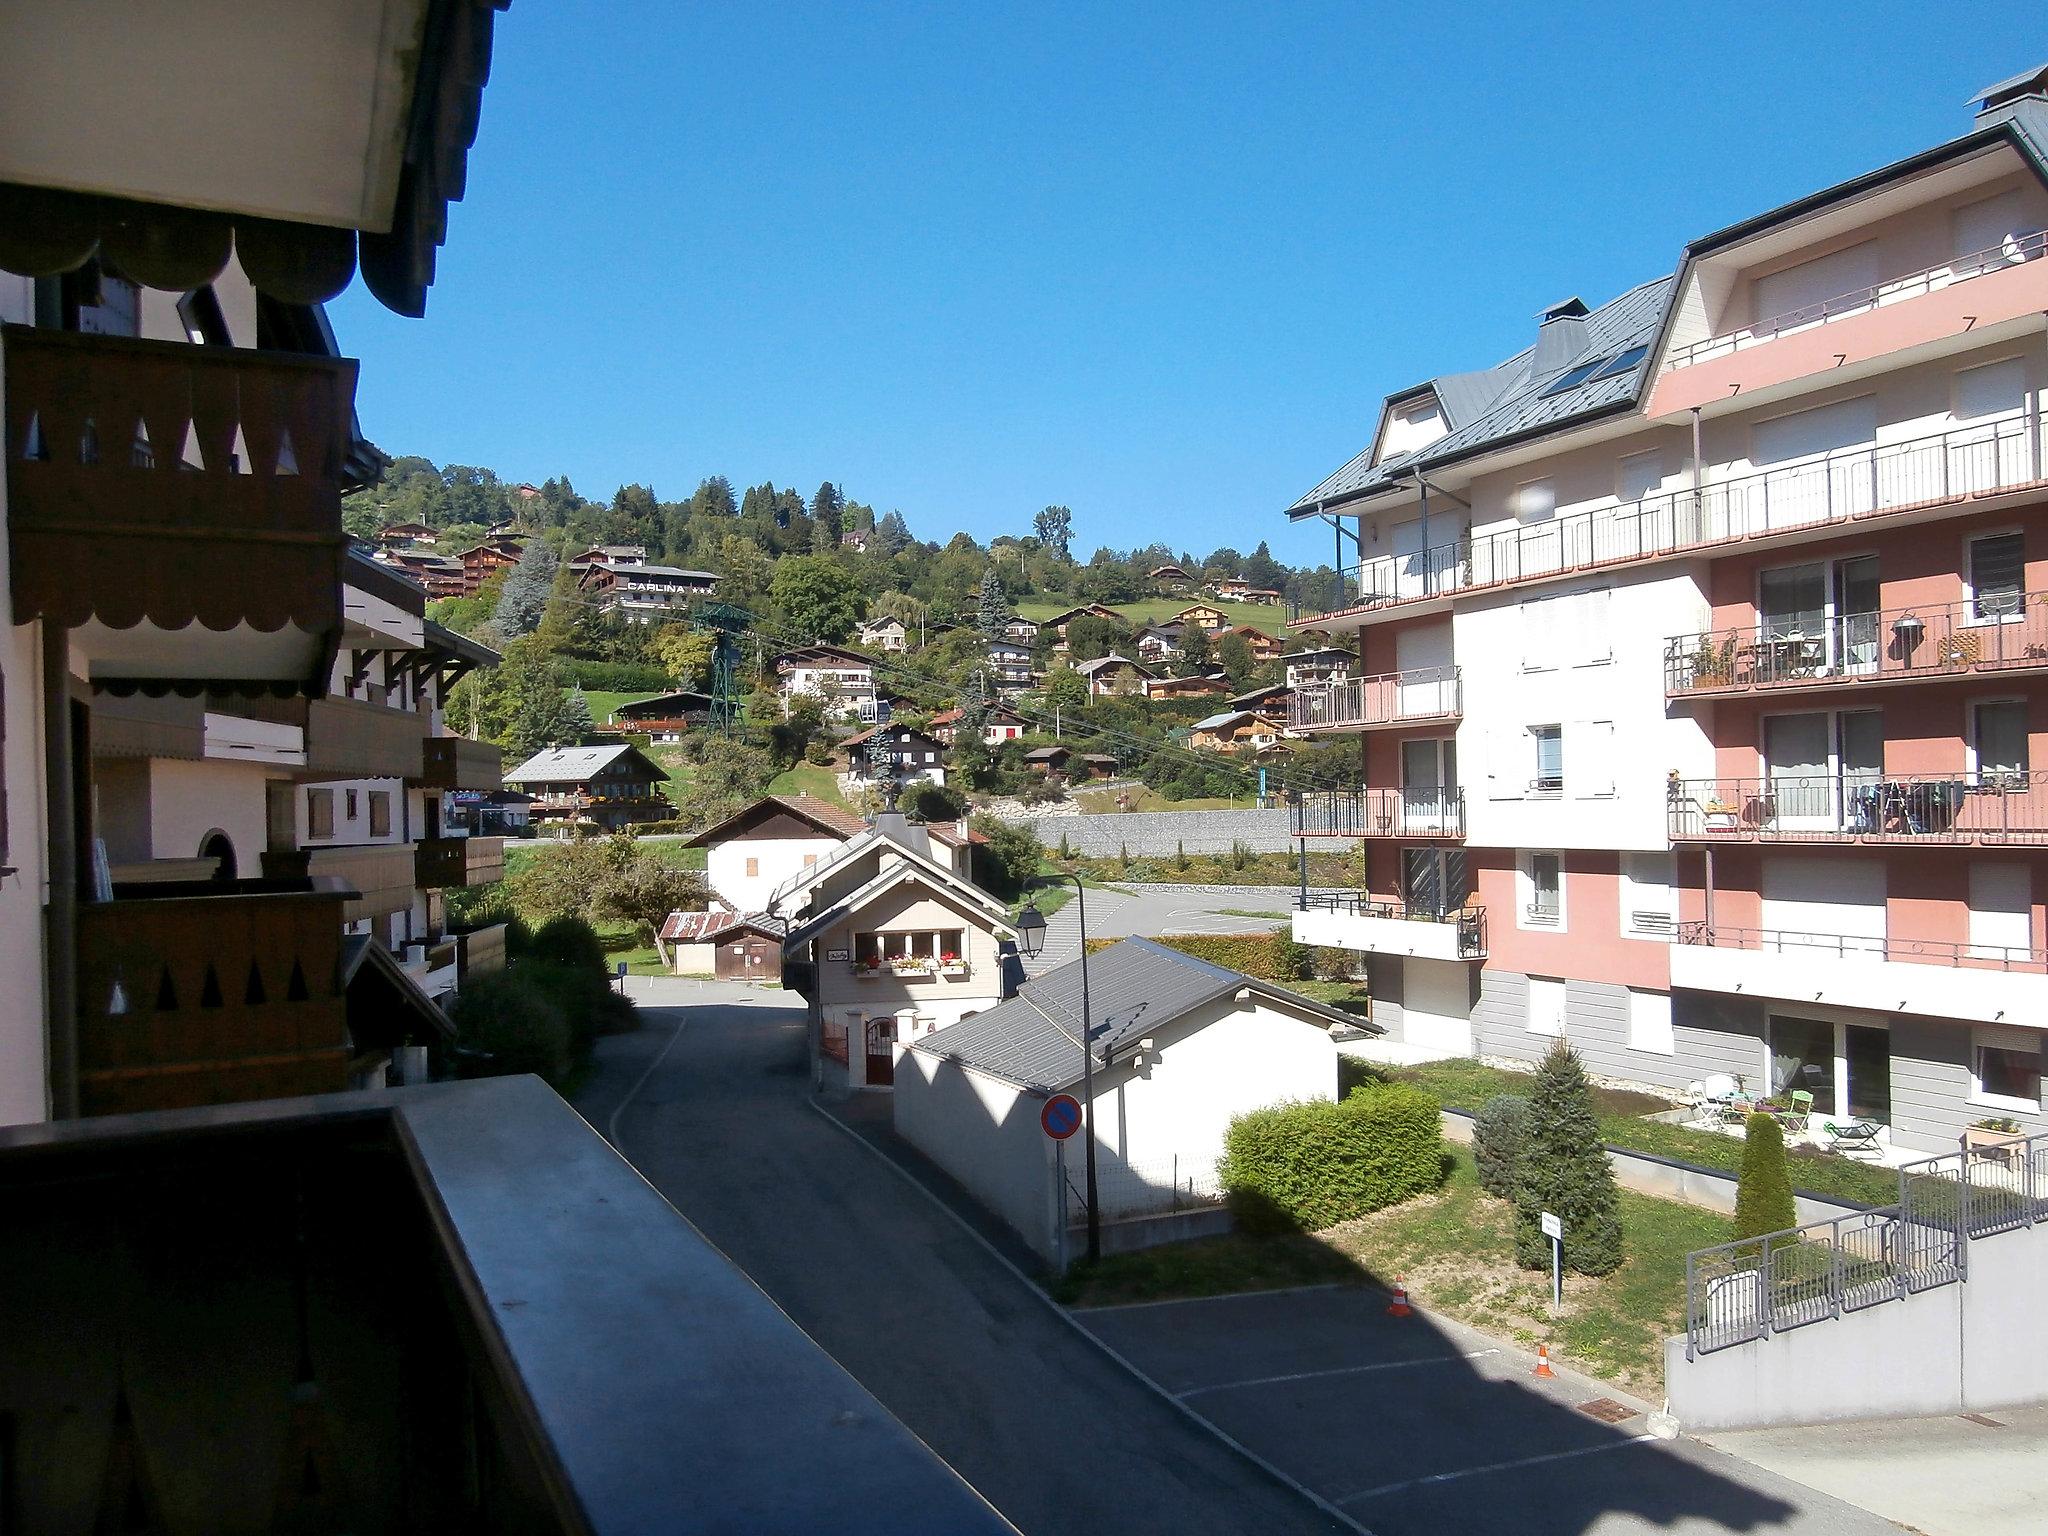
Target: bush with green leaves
1499	1132
1763	1191
1009	856
514	1026
1302	1167
1565	1171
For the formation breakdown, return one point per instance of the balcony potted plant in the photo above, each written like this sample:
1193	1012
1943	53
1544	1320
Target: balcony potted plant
1998	1137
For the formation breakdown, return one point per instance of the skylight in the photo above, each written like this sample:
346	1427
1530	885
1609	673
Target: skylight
1571	380
1624	363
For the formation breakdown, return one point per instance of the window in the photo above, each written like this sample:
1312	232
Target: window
1546	1006
1549	744
1649	1022
1998	741
1991	389
1574	378
1536	500
1546	889
380	813
2005	1069
1638	474
320	813
351	798
1627	362
1648	907
1997	577
754	867
909	952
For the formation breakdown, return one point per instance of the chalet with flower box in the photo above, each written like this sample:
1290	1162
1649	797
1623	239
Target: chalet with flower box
893	754
887	942
1202	616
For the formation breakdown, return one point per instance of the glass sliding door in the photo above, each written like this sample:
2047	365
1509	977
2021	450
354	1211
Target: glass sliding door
1867	1054
1796	761
1429	776
1803	1060
1853	634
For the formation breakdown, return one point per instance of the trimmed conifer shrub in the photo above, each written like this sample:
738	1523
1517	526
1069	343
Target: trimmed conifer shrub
1498	1132
1564	1169
1763	1192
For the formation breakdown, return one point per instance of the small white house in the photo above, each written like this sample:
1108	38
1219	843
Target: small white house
751	852
1184	1046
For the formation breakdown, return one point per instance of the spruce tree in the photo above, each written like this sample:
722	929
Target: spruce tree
1565	1171
524	597
995	613
1763	1195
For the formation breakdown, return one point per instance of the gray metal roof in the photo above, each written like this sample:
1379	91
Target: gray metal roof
557	765
1135	987
1507	401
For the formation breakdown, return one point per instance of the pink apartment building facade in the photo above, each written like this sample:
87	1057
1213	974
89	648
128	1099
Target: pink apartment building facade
1702	700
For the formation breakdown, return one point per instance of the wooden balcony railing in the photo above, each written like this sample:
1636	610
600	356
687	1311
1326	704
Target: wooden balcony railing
158	484
1391	698
443	863
1424	811
353	738
210	993
381	875
455	762
2008	632
1862	807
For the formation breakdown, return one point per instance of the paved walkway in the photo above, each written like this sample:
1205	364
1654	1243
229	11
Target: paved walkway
709	1101
1978	1475
1418	1426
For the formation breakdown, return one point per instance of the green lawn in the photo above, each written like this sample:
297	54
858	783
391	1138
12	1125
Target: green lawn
602	703
1467	1085
807	779
1150	610
521	852
1351	996
1454	1250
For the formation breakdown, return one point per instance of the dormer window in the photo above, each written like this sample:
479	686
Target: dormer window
1411	425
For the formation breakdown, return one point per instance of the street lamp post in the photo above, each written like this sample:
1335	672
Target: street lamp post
1031	936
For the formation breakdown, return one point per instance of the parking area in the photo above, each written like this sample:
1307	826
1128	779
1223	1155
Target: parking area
1417	1425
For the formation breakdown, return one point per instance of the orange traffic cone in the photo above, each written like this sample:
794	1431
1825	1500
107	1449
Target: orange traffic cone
1543	1362
1399	1306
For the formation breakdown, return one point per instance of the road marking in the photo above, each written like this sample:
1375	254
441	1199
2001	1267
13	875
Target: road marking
611	1126
1195	1301
1341	1370
1498	1466
1065	1315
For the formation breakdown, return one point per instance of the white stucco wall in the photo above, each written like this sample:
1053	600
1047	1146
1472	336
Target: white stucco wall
1174	1105
725	865
187	800
23	1073
692	959
985	1133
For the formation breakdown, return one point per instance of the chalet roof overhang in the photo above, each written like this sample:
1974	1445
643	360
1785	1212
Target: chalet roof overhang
311	140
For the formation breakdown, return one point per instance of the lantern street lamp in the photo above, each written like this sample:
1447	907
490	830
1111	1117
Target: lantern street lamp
1031	926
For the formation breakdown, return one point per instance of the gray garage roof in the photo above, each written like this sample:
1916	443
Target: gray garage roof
1508	400
1136	987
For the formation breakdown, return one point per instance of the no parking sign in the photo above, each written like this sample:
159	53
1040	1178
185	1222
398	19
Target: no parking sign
1061	1116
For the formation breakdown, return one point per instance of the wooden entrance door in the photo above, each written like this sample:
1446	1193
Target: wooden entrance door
881	1065
750	958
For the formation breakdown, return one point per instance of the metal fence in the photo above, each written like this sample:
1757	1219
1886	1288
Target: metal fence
1420	693
1423	810
1745	1290
1154	1188
1989	805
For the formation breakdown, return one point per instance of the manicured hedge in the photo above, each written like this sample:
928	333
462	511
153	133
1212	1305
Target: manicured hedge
1268	956
1301	1167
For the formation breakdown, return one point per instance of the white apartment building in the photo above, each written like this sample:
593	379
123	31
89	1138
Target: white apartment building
1702	693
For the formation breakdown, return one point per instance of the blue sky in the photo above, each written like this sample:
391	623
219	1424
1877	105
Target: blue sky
1157	262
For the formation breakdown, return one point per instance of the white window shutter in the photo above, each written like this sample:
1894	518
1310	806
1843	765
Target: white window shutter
1594	642
1508	756
1589	759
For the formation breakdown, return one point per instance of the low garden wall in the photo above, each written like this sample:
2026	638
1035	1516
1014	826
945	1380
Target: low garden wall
1668	1179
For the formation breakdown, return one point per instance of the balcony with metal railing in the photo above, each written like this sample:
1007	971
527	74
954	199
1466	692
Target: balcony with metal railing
1427	811
1861	301
1853	485
1382	926
1939	978
1363	703
1988	807
2003	633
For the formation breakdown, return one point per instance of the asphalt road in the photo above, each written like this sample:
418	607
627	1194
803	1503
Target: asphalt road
1417	1426
1053	1432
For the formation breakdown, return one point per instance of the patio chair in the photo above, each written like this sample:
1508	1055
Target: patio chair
1801	1117
1850	1136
